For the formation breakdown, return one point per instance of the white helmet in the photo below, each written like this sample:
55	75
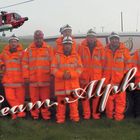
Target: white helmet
13	37
91	32
113	34
67	40
65	27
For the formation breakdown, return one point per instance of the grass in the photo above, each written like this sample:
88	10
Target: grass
2	44
84	130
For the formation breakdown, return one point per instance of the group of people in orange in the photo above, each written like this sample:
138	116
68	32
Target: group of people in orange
73	66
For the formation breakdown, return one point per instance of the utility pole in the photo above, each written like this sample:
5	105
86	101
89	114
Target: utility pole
122	21
102	27
137	22
94	28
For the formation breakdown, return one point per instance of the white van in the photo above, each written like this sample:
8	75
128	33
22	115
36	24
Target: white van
131	39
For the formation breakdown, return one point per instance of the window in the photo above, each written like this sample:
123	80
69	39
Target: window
16	16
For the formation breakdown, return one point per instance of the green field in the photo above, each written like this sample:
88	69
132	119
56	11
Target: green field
104	129
3	43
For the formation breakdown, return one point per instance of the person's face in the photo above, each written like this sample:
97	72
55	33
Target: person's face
38	41
67	32
114	41
67	48
91	39
13	43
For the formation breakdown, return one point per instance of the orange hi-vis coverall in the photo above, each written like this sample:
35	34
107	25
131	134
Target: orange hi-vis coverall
64	88
116	65
12	77
136	92
59	43
36	67
93	68
136	63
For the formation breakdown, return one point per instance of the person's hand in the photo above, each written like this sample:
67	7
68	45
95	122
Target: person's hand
67	75
3	68
26	80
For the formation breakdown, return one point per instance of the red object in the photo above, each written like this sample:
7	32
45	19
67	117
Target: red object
10	21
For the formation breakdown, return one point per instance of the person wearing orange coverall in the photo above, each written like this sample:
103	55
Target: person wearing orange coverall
117	63
91	51
66	67
36	66
136	92
11	59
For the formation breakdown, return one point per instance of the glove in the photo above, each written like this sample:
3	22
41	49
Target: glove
26	81
3	68
67	75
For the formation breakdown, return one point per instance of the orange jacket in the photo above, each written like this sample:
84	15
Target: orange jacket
36	64
136	63
116	66
13	71
60	65
93	65
59	43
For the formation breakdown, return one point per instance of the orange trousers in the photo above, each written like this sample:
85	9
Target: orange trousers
86	108
115	106
61	110
15	96
95	108
40	94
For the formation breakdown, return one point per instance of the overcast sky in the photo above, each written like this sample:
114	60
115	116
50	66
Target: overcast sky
50	15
